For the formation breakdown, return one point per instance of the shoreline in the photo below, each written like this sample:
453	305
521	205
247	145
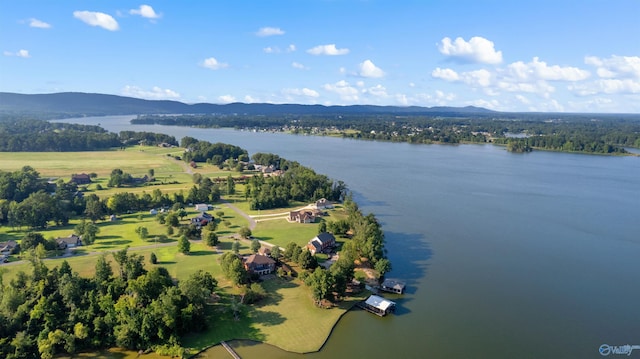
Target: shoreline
331	331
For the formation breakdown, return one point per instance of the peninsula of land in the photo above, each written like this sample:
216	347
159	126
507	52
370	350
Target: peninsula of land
167	247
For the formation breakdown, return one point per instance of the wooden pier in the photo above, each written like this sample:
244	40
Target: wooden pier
230	350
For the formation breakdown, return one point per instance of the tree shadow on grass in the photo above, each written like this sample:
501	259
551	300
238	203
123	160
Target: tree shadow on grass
201	253
223	325
114	243
267	318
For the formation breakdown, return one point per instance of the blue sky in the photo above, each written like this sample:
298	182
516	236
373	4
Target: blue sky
567	56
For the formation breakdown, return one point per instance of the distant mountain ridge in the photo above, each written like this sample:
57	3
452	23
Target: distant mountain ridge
93	104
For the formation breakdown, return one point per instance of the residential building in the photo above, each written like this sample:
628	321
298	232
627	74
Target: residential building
321	243
259	264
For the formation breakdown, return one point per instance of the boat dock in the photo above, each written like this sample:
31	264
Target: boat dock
230	350
377	305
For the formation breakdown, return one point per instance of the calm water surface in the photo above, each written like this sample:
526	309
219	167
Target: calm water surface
506	255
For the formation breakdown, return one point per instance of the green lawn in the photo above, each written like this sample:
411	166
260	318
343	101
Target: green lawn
283	320
280	232
62	164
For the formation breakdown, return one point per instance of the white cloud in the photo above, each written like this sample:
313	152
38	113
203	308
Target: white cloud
346	92
477	49
615	66
250	99
299	66
378	91
145	11
492	105
329	49
226	99
276	50
20	53
539	70
476	78
480	78
100	19
156	93
213	64
607	86
523	100
445	74
39	24
301	92
269	31
441	95
369	69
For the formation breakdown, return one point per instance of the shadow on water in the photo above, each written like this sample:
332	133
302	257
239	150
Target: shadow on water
410	255
363	201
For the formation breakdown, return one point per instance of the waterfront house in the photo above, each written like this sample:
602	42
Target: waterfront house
393	286
322	203
259	264
69	242
301	216
378	305
321	243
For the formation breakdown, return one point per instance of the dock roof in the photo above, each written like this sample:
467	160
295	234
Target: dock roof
394	283
379	302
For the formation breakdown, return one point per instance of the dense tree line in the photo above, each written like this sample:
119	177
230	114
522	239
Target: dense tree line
26	200
214	153
20	135
296	183
54	311
146	138
591	133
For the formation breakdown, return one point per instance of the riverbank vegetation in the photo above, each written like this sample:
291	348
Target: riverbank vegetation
26	135
130	284
587	133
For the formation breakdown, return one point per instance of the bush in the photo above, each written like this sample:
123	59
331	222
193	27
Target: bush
153	259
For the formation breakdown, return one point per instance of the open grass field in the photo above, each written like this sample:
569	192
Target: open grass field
281	320
63	164
280	232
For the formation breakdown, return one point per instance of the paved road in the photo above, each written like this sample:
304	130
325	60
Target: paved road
252	222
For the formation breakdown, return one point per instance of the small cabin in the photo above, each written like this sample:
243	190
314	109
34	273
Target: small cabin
393	286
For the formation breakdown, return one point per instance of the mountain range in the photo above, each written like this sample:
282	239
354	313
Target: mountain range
93	104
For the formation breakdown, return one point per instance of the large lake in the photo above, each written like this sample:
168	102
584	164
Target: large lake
506	255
